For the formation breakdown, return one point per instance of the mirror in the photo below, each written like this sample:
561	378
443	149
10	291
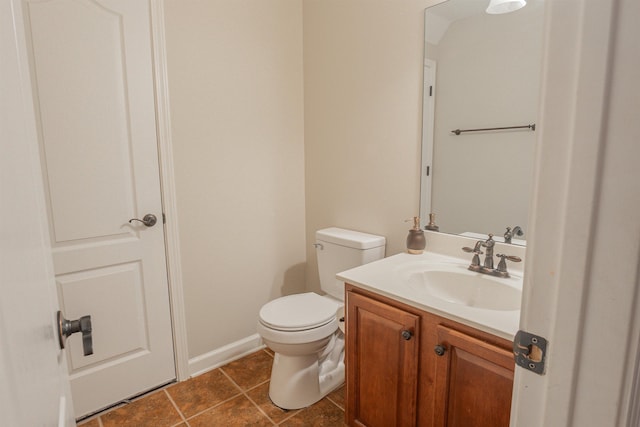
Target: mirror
481	71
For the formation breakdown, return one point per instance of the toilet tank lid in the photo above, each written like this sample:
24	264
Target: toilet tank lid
350	238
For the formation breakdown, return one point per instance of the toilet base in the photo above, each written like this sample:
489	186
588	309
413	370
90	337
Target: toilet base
300	381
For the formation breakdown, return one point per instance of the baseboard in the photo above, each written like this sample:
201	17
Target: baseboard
223	355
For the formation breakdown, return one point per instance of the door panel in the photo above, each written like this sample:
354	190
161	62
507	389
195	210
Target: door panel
83	110
96	291
382	366
474	381
93	73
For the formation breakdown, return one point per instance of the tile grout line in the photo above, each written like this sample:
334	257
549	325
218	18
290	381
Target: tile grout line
293	412
214	406
260	409
331	400
191	417
175	406
247	396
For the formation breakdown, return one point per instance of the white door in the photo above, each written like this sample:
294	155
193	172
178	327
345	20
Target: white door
34	385
92	69
582	278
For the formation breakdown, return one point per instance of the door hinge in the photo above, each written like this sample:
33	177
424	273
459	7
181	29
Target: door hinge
529	351
430	90
428	170
164	218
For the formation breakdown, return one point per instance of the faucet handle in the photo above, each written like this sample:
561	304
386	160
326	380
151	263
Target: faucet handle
510	257
475	262
502	265
474	251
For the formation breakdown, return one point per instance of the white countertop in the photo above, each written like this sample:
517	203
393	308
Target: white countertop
386	278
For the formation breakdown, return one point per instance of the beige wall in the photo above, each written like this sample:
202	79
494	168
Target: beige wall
363	106
253	162
235	82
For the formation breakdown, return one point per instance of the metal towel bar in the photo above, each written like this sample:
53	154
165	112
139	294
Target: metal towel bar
459	131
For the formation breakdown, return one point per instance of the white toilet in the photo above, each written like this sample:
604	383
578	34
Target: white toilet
305	331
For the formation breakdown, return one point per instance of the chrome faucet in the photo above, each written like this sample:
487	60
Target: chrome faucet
508	235
487	267
488	257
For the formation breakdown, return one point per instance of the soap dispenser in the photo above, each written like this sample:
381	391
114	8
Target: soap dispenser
415	240
432	223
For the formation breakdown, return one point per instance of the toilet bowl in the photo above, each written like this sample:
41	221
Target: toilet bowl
304	330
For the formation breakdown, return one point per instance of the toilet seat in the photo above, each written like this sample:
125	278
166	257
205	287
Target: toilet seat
299	312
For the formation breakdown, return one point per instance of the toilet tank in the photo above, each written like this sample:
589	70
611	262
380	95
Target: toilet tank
338	249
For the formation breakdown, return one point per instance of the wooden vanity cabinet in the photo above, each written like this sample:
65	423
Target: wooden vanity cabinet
474	380
395	376
382	355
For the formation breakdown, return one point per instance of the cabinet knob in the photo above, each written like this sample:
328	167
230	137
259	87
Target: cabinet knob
407	335
440	350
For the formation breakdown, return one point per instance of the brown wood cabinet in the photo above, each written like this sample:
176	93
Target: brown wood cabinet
383	360
408	367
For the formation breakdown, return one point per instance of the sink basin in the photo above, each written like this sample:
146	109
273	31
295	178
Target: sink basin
456	285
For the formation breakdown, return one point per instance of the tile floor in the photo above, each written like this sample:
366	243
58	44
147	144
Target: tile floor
235	394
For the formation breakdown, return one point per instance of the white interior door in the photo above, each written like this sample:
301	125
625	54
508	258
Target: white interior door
582	278
34	385
93	81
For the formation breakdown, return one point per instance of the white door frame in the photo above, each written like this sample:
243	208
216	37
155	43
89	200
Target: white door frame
428	123
582	271
167	184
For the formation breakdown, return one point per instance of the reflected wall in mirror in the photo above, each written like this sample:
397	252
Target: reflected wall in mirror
481	71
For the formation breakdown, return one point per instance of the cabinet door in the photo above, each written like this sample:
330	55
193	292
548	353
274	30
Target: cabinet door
382	363
474	380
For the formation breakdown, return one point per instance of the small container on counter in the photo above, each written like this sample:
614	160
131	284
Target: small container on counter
415	240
